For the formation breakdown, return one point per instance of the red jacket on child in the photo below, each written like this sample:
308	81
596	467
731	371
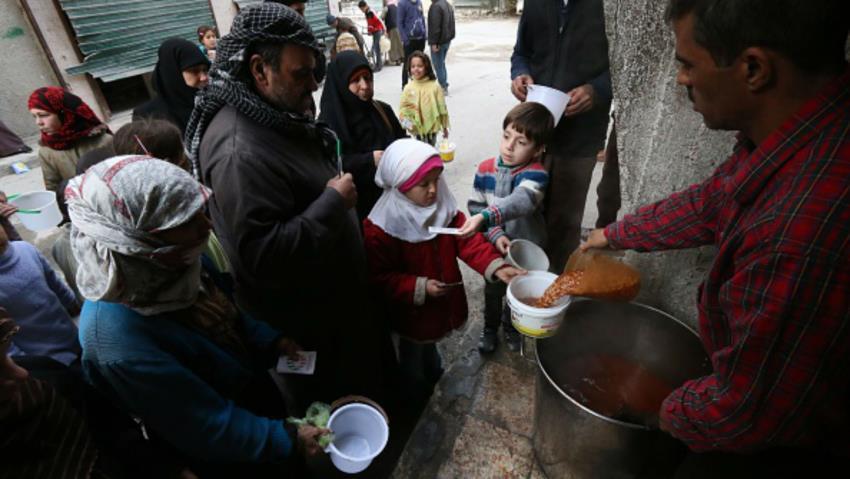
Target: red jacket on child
398	271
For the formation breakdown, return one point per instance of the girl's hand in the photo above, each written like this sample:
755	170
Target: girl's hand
435	288
288	347
377	155
503	243
507	273
472	225
7	210
446	133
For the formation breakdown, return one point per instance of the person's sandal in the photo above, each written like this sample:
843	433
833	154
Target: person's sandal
488	340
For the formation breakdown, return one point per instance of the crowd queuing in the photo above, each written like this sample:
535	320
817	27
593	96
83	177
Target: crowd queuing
226	226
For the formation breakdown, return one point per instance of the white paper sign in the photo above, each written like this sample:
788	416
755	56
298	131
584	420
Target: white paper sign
443	231
304	363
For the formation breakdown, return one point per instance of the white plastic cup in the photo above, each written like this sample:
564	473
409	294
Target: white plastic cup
528	320
44	203
554	100
360	433
528	256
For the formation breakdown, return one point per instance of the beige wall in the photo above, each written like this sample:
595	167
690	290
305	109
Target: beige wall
223	11
23	68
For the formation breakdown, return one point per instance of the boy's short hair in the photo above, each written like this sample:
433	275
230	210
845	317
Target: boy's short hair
362	3
532	120
160	138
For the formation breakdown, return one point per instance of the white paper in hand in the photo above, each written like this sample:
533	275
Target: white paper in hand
304	363
443	231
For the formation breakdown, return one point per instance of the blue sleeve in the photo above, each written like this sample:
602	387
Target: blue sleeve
190	415
602	86
521	54
402	16
62	291
259	333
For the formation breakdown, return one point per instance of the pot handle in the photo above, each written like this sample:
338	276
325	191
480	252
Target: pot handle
526	352
359	399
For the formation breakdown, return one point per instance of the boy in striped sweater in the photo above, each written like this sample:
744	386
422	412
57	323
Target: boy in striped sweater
506	202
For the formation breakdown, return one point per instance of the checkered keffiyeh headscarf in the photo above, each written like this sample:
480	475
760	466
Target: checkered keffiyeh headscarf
227	85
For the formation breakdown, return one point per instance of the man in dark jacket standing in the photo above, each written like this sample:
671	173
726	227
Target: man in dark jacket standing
283	211
411	27
562	44
441	31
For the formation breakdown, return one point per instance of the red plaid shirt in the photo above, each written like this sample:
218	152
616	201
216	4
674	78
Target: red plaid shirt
774	311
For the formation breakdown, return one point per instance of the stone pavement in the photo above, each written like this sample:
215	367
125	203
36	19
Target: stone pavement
479	422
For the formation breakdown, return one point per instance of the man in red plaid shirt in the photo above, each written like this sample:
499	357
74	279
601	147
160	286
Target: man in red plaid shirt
774	311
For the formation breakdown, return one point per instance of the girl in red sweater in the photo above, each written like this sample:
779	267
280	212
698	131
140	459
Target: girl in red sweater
414	271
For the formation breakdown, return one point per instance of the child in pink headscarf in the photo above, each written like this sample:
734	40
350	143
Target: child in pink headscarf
414	270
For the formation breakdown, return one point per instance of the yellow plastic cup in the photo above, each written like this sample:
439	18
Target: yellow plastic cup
447	151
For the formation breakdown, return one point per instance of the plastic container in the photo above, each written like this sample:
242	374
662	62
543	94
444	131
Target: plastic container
447	151
554	100
527	255
528	320
45	212
361	432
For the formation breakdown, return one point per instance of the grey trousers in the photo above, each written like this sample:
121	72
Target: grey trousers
569	181
608	192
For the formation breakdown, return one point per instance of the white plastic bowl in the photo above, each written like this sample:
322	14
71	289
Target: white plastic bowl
360	434
528	320
554	100
43	203
527	255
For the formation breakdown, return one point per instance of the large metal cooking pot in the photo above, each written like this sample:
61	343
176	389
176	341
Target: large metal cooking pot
572	441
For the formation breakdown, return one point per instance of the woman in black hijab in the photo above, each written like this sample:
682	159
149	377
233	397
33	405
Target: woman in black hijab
365	126
180	71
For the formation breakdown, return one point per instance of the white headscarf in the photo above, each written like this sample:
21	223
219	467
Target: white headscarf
394	212
115	207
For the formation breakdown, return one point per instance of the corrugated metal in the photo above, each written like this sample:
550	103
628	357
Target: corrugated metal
120	38
315	14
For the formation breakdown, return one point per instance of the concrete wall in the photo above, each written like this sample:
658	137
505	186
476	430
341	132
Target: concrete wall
23	68
663	144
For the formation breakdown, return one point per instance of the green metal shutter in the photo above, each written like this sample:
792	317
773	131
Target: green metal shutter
315	14
120	38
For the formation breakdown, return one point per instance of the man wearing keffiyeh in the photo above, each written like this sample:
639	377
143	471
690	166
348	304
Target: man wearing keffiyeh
281	207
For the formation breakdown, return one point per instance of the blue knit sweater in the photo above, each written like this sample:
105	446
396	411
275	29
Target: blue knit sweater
179	383
38	301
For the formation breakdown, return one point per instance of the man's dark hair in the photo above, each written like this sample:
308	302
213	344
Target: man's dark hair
161	139
270	52
812	34
362	3
533	120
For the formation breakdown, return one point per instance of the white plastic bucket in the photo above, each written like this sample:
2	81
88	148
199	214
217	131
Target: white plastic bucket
554	100
528	320
46	212
360	434
527	255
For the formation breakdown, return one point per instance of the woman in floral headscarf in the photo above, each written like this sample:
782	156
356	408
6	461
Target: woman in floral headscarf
160	338
69	128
